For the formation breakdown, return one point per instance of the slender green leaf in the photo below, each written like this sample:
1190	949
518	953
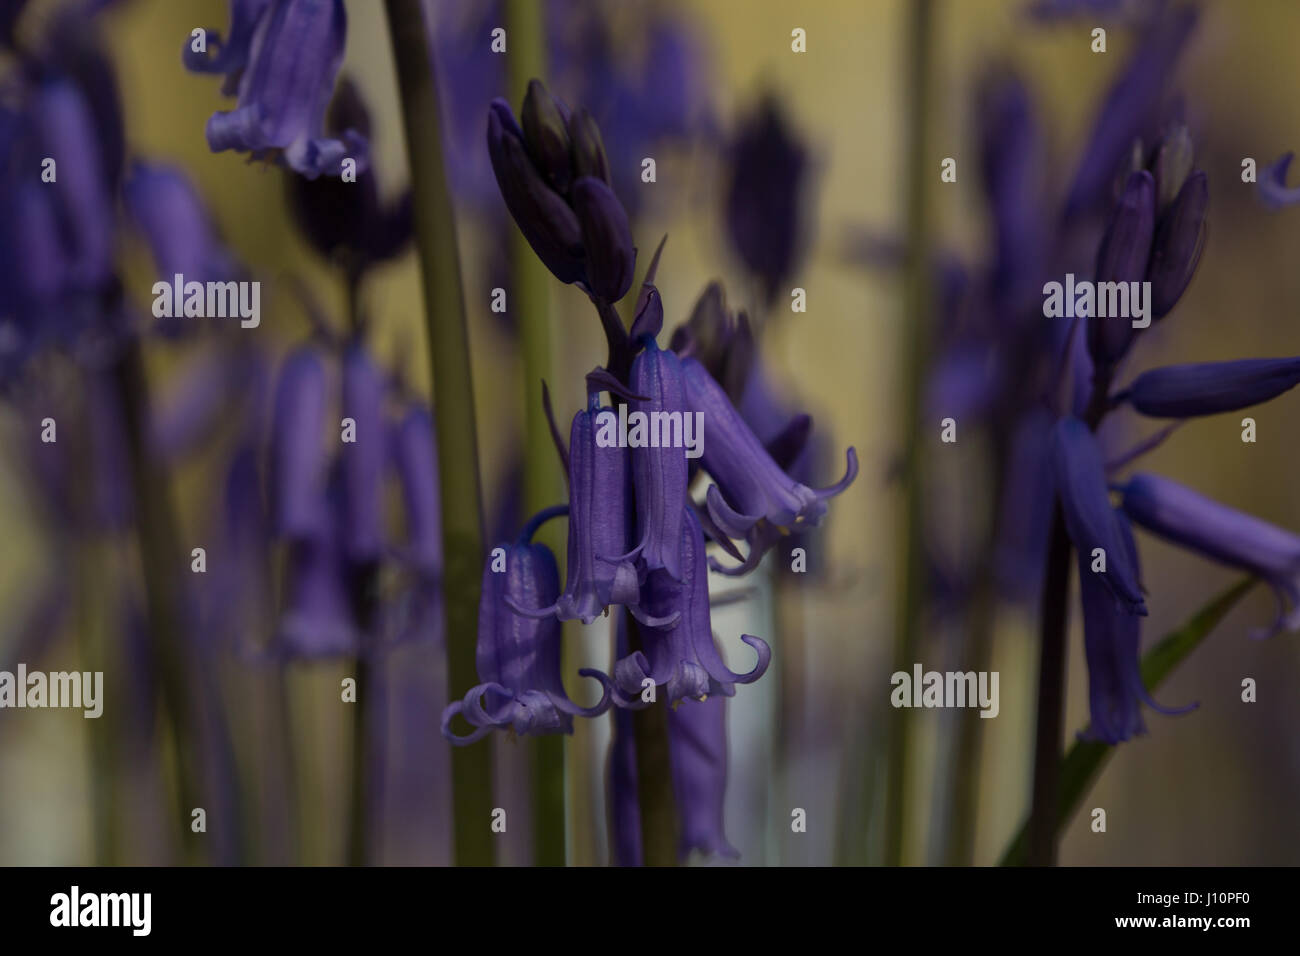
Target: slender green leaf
1083	762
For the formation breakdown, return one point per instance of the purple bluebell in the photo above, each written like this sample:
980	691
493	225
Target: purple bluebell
601	571
348	222
560	197
681	655
519	657
1207	388
297	450
1111	637
1081	483
1122	257
364	458
752	495
285	89
1130	105
1223	534
767	170
174	221
1176	247
416	458
659	473
319	619
697	748
1272	183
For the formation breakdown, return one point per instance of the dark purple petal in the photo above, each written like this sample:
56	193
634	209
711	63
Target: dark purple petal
1193	521
297	452
546	136
659	474
1177	246
606	239
1123	256
588	150
1081	483
1207	388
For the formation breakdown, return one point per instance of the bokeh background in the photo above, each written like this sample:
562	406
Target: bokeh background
1217	786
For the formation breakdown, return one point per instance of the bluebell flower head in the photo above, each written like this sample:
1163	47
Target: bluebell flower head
679	651
753	498
1223	534
1207	388
659	473
1111	637
519	656
568	213
285	88
1085	500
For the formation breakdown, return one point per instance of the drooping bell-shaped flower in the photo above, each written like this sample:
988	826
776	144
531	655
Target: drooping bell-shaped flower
1226	535
415	453
697	749
600	554
167	210
364	456
297	452
319	620
1273	189
285	89
752	495
679	653
1111	635
659	473
1207	388
518	656
1081	484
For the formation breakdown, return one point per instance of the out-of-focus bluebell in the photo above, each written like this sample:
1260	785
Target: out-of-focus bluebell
1081	484
1131	105
348	221
518	656
697	748
1111	637
1223	534
765	201
285	87
365	458
319	619
1207	388
165	207
679	653
1272	183
297	462
415	455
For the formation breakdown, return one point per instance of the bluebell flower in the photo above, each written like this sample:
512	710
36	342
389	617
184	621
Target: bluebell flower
681	655
1176	247
1081	484
659	474
1223	534
697	749
319	619
1207	388
285	88
298	463
519	656
1272	183
1111	637
415	453
1123	256
364	459
229	56
177	226
753	498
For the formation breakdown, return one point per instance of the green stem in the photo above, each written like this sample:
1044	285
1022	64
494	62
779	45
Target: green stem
358	816
654	775
162	558
530	294
916	332
453	402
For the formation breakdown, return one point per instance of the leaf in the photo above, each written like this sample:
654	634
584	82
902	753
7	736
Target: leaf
1085	758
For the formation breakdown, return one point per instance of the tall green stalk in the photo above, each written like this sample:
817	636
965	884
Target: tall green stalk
453	396
543	487
916	350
